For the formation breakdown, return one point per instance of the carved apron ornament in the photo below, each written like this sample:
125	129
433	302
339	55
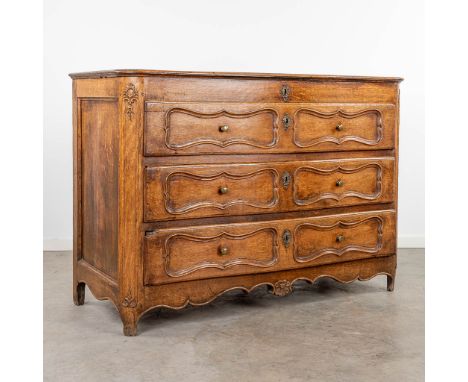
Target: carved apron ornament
282	288
130	96
129	302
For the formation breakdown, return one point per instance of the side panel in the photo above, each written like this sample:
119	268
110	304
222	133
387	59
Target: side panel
98	119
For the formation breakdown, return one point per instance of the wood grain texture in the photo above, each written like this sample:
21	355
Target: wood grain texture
195	249
176	89
195	128
185	191
201	292
99	172
190	184
130	202
185	128
254	249
77	286
339	127
314	240
335	182
181	192
173	73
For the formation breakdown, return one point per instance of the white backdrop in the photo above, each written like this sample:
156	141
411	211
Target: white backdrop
356	37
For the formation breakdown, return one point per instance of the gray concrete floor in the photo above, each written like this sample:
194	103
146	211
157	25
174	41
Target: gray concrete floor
321	332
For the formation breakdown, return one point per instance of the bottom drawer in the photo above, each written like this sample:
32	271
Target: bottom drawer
199	252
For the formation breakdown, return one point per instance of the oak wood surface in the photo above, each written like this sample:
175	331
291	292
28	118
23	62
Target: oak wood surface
172	255
174	89
172	208
203	291
99	176
181	192
216	128
152	72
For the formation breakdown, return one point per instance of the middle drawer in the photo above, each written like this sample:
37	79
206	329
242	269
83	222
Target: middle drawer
182	192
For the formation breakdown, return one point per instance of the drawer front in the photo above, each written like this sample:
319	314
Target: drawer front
187	254
268	91
191	191
337	183
181	192
181	254
329	128
313	240
228	128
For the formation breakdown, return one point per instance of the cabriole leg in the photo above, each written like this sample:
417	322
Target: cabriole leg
129	324
79	293
390	282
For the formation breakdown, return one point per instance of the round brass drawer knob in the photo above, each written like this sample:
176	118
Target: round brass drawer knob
223	251
339	127
223	128
339	183
223	190
339	238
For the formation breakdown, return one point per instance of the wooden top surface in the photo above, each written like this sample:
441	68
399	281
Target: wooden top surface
162	73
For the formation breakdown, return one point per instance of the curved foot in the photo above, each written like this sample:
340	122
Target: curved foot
129	325
79	294
390	283
130	330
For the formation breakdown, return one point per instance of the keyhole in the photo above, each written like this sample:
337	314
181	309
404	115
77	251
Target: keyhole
286	178
286	238
284	92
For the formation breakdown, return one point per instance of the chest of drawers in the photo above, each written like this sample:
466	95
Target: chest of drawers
191	184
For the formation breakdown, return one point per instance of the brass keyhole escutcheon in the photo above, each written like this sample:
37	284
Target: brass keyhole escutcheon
339	238
339	127
339	183
284	92
286	121
223	250
223	190
223	128
287	236
286	179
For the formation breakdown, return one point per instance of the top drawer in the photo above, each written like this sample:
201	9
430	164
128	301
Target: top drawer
269	90
234	128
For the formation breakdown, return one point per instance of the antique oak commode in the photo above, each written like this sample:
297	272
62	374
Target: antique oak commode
189	184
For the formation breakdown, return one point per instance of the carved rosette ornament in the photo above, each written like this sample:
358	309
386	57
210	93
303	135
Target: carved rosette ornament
129	302
130	96
282	288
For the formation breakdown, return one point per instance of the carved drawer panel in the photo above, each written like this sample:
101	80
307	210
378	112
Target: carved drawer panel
312	240
180	254
209	128
335	183
209	252
318	128
181	192
195	191
227	128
